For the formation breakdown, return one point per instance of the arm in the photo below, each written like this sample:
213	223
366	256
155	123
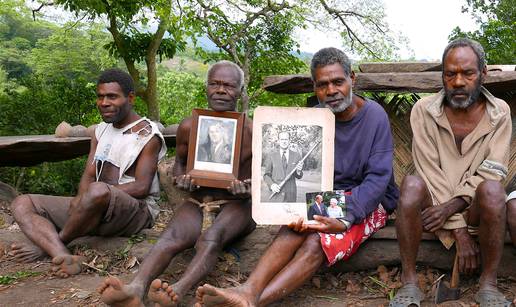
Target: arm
88	176
366	197
182	180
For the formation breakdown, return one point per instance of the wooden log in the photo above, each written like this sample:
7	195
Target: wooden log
387	67
33	149
420	82
390	67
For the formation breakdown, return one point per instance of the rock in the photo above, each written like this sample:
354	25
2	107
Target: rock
90	131
63	130
78	131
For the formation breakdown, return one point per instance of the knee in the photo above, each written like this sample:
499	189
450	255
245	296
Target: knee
20	205
412	193
97	196
211	238
490	195
311	250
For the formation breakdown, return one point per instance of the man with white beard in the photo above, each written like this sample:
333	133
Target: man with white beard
460	150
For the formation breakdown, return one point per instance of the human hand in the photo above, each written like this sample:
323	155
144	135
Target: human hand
434	217
299	167
298	226
240	188
467	251
327	225
185	182
275	188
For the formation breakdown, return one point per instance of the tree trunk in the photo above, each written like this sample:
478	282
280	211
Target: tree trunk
245	95
151	92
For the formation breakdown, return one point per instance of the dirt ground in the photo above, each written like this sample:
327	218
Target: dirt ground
34	285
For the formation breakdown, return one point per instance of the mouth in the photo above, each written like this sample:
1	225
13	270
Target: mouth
333	103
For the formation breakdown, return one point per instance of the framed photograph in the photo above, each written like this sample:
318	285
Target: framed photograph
292	155
326	203
214	147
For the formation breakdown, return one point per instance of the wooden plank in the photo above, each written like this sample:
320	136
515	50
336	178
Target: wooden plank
420	82
391	67
30	150
386	67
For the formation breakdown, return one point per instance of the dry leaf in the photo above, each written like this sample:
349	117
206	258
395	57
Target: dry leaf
130	262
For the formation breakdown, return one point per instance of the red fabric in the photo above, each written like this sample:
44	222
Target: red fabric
340	246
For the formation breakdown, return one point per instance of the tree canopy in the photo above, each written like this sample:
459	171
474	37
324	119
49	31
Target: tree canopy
497	29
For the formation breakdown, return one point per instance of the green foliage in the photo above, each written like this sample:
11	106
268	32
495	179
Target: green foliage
71	53
180	92
11	278
497	29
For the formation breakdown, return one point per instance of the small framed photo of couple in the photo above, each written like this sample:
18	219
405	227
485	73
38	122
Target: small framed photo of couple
326	203
292	155
214	147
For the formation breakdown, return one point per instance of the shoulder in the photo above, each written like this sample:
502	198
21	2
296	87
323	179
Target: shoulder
375	113
185	125
101	127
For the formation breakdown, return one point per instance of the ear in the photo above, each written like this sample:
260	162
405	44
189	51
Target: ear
131	97
483	73
352	76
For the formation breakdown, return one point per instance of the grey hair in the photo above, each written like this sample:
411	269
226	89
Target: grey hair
229	64
466	42
328	56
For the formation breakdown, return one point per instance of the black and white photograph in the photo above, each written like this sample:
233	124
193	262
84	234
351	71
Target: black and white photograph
215	143
291	158
292	155
326	203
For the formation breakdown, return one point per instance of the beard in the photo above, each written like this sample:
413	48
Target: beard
343	105
471	98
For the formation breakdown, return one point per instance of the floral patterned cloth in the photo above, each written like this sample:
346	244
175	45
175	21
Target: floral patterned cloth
340	246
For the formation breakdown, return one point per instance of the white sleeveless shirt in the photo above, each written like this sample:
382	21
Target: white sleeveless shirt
121	147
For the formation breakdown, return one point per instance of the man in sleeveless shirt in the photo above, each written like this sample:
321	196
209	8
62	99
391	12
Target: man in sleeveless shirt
118	190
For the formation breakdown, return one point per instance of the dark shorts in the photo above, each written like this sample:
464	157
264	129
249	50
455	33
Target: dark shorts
125	215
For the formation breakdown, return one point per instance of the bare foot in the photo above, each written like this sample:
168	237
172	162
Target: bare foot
66	265
26	252
162	294
209	295
113	292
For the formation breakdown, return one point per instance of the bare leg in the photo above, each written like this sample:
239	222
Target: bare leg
233	221
181	233
88	214
277	256
37	228
307	260
490	200
414	197
511	220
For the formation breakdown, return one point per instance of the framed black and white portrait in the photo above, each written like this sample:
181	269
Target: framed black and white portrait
214	147
292	155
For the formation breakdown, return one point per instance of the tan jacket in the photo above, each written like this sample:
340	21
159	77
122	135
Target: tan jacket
449	173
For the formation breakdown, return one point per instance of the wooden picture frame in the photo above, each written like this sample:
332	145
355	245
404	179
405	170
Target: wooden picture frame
214	163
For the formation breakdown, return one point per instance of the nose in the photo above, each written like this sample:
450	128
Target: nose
459	81
332	90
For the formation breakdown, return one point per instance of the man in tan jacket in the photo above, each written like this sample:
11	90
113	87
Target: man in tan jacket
460	149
